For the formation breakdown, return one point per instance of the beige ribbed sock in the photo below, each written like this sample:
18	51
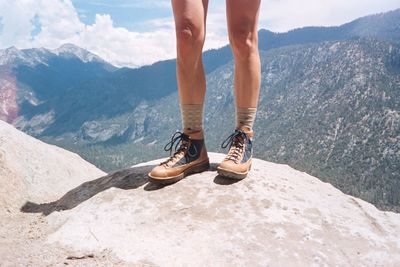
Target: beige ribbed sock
192	117
245	118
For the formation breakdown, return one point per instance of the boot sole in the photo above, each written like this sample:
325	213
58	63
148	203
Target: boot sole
203	166
231	174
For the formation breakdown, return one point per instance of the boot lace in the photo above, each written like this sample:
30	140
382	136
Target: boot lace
236	145
178	139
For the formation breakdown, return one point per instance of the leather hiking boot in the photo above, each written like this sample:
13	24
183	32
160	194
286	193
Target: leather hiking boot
190	157
237	162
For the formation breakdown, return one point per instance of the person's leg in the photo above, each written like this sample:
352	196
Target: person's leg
191	156
242	18
190	19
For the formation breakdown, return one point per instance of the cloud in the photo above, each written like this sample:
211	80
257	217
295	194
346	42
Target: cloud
1	25
59	23
125	48
43	23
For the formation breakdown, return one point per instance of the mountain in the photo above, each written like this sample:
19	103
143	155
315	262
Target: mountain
328	106
29	78
101	94
37	56
276	216
331	109
384	26
73	51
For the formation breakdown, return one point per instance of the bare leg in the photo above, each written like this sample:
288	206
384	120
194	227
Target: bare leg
190	17
242	18
242	26
191	156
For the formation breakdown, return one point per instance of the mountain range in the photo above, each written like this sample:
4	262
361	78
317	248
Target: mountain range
329	103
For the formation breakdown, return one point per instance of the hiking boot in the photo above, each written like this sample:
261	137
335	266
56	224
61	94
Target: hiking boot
237	162
191	157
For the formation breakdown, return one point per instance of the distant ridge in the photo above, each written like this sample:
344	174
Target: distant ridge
34	56
83	54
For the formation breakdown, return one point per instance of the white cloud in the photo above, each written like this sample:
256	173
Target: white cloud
125	48
16	23
60	23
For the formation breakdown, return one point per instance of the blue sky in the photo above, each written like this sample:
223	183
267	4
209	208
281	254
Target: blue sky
128	14
139	32
131	14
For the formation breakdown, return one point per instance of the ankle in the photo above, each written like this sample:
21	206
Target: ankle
196	135
248	131
192	117
245	118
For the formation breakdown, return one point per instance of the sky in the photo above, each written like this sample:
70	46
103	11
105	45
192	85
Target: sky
140	32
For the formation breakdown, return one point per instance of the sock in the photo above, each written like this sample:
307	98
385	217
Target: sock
245	118
192	117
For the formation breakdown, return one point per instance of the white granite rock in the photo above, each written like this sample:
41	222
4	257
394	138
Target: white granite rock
33	170
276	217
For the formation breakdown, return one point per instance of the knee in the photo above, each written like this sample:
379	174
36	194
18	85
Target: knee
244	42
189	35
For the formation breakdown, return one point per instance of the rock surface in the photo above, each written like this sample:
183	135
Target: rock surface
277	216
31	169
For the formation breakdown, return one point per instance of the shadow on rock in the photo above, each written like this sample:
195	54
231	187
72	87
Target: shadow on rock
155	186
221	180
126	179
213	166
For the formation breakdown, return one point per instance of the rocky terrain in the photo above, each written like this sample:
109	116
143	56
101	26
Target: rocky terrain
276	216
329	104
32	169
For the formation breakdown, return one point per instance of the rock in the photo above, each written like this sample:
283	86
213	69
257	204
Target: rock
277	216
31	169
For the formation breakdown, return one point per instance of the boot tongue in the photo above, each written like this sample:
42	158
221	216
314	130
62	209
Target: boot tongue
237	147
239	137
183	148
249	132
184	144
185	137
